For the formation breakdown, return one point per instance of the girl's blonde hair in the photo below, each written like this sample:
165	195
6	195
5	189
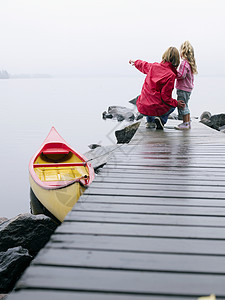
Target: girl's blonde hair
187	52
172	55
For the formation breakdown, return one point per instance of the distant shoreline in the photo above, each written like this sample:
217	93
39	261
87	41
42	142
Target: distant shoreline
27	76
5	75
30	76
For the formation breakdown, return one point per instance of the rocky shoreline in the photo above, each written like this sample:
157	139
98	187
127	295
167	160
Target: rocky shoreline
22	238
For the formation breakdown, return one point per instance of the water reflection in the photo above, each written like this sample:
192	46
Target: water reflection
176	152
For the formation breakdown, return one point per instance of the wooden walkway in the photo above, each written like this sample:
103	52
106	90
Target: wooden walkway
151	226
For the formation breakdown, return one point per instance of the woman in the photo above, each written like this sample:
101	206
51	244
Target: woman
156	100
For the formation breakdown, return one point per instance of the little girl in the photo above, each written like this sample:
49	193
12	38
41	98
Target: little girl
185	82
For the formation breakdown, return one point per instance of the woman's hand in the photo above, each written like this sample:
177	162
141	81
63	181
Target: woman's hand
131	62
180	104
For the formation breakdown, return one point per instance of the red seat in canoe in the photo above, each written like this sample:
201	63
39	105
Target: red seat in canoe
55	148
55	151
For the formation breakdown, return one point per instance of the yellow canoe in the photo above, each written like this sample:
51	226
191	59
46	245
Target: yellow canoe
58	175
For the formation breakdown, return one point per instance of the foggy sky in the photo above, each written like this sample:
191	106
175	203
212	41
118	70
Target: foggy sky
98	37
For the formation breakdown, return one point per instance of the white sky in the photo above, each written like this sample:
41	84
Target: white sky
98	37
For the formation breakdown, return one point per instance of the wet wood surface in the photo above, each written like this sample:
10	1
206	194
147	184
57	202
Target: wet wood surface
151	226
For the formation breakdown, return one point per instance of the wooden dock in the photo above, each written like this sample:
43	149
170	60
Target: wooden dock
151	226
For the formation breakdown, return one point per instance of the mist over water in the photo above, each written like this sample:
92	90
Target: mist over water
30	107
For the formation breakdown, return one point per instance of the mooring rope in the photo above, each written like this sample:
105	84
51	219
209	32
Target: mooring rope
104	153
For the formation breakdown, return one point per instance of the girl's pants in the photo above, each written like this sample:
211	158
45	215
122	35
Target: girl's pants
185	96
163	118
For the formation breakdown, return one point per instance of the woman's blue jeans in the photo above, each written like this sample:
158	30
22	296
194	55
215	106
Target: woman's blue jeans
163	118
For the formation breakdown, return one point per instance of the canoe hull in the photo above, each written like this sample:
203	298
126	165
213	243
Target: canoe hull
58	201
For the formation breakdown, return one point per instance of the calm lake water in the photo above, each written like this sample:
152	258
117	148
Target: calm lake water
30	107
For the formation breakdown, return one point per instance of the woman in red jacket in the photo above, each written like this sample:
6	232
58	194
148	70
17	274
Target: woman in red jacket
156	100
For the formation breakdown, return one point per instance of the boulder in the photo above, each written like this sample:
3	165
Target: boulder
119	113
126	134
134	101
206	115
28	231
106	115
216	121
139	116
13	262
205	118
21	239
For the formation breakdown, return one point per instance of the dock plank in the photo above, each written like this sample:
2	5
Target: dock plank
131	244
150	219
212	233
119	281
117	260
157	193
68	295
161	201
161	180
162	187
153	209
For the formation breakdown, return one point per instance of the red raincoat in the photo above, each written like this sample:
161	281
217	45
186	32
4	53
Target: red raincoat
156	95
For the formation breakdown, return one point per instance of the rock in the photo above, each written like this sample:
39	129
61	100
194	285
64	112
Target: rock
105	115
126	134
21	239
2	220
139	116
93	146
120	118
205	118
26	230
119	113
216	121
205	115
134	101
13	262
